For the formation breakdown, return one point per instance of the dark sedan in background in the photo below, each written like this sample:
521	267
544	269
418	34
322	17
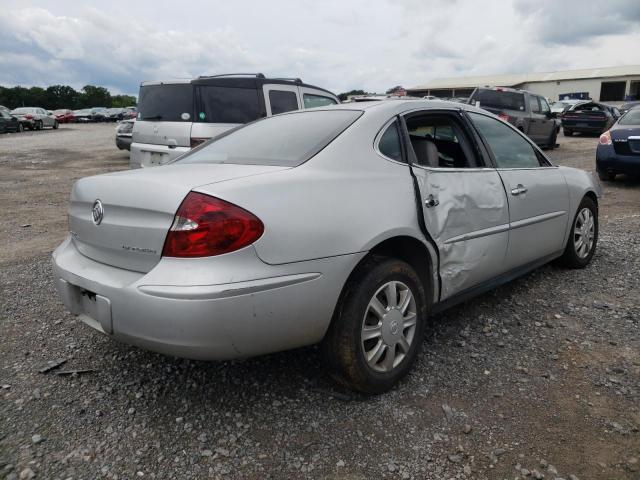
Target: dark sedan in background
618	150
9	123
588	117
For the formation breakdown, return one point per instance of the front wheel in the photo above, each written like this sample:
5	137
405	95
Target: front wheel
567	132
378	326
20	128
583	237
553	139
38	125
55	125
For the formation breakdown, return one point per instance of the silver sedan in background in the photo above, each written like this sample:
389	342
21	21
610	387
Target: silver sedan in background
344	225
37	118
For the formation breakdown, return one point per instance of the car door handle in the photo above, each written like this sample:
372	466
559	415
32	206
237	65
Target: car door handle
519	190
431	201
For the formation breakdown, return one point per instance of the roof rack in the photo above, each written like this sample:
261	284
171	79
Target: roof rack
257	75
292	79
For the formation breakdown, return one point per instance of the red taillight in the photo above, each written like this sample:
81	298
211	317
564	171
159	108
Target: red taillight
195	141
28	117
605	138
205	226
504	116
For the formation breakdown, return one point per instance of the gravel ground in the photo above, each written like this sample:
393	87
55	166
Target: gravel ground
538	379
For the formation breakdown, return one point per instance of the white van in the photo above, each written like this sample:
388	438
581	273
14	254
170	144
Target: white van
177	115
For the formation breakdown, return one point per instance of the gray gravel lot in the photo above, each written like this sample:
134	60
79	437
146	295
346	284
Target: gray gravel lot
538	379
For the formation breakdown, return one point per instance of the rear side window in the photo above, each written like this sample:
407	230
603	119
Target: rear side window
389	144
284	140
313	101
282	101
509	148
499	99
166	102
228	105
632	117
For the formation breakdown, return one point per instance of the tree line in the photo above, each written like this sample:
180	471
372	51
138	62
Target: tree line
62	96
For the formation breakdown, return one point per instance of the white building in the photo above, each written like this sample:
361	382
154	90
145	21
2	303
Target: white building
610	84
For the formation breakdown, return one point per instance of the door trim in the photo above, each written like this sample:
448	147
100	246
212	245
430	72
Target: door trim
537	219
485	232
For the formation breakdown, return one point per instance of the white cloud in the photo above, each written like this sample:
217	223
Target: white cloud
335	44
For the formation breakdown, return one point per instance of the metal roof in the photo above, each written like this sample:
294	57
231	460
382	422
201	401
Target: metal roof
511	80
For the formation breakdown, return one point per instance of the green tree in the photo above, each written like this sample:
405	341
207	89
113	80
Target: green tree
93	96
61	96
345	95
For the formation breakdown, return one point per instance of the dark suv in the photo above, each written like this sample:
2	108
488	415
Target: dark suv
175	116
528	112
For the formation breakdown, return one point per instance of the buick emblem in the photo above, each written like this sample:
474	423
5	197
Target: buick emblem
97	212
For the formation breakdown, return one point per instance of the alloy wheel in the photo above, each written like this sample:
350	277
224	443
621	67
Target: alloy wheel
389	326
584	233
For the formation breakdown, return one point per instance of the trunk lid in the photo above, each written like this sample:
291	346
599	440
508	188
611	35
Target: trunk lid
171	134
138	207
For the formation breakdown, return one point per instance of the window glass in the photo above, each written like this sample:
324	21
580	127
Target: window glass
509	148
312	101
389	144
228	105
533	104
544	106
498	99
632	117
284	140
282	101
438	141
166	102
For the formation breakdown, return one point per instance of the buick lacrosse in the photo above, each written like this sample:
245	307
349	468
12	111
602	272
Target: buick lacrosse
346	226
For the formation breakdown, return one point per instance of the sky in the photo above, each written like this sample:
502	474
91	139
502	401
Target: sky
335	44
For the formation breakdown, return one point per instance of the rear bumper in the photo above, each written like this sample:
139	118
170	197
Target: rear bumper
280	308
123	143
585	129
150	155
607	160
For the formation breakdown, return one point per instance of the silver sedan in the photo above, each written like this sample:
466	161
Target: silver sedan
346	226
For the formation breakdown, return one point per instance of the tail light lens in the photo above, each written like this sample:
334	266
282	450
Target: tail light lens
28	117
195	141
504	116
205	226
605	138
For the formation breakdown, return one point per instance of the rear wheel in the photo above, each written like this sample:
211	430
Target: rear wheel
566	132
20	128
55	125
583	237
378	326
38	125
606	176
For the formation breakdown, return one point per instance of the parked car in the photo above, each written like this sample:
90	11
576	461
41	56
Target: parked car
64	115
35	118
588	117
625	107
130	112
99	114
114	114
9	123
123	134
344	225
528	112
618	149
83	116
2	107
178	115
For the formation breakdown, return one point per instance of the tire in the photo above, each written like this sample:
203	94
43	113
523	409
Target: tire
55	125
552	140
343	347
567	133
20	128
578	257
38	125
606	176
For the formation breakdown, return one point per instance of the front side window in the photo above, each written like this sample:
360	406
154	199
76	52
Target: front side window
282	101
389	144
544	106
534	105
284	140
227	105
313	101
510	149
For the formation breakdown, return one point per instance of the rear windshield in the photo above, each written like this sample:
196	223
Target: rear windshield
286	140
166	102
631	118
498	99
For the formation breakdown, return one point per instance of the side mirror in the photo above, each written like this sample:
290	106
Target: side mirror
552	114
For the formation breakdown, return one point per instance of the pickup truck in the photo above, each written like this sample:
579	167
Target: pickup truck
528	112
